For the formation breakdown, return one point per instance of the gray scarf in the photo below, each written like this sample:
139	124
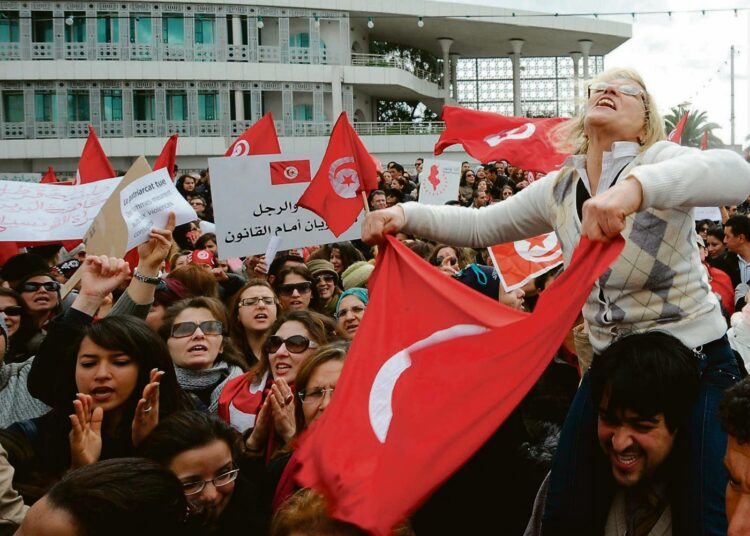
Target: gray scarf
214	378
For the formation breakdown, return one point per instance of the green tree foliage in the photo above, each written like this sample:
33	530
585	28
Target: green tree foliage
697	123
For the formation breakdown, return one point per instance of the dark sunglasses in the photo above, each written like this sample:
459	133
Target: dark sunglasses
302	288
295	344
49	286
208	327
328	278
12	310
451	260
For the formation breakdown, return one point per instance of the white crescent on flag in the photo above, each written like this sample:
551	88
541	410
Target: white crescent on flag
521	261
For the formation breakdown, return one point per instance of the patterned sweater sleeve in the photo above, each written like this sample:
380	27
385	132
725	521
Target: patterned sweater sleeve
529	213
674	176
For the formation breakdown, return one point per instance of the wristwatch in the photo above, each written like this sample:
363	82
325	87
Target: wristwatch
145	278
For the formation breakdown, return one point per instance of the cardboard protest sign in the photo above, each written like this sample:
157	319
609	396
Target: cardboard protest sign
438	181
521	261
45	212
146	202
255	199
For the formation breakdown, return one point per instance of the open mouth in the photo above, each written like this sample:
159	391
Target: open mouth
606	102
626	461
296	303
261	316
42	299
198	348
102	394
351	327
282	368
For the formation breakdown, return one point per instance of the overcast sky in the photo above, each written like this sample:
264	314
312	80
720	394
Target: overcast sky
678	58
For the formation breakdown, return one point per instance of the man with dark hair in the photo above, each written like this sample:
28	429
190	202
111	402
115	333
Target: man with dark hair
736	261
734	414
393	197
377	200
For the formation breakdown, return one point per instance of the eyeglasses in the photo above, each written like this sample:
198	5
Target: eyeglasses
328	278
208	327
251	302
626	89
315	396
49	286
295	344
356	309
12	310
302	288
451	260
192	488
197	203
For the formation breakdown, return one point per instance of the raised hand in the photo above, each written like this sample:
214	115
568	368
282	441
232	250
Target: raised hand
282	410
379	223
86	432
153	252
257	440
147	411
100	275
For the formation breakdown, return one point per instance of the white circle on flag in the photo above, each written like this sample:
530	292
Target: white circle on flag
241	148
535	253
291	172
344	178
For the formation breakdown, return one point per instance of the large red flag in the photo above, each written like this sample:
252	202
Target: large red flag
168	156
523	142
521	261
259	138
704	140
347	169
413	405
676	134
49	177
93	164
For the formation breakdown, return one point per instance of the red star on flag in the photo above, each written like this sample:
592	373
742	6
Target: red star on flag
347	180
537	241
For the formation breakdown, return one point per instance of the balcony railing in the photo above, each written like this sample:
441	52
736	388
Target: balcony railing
377	60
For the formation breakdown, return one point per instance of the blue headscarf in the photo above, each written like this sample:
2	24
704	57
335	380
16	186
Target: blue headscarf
360	293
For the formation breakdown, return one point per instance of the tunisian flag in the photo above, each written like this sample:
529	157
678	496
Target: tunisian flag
93	164
259	138
49	177
168	156
413	405
521	261
346	170
523	142
676	134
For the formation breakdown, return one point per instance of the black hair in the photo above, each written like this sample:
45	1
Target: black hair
740	226
279	261
19	265
398	167
187	430
208	237
399	195
703	223
717	231
121	497
734	411
647	373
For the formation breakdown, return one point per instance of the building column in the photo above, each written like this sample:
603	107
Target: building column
239	105
517	45
445	45
585	46
576	57
236	30
454	74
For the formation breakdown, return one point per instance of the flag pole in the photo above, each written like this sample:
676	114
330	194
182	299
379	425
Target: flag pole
364	200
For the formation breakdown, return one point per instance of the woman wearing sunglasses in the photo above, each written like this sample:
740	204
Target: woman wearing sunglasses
220	486
327	283
20	326
295	288
260	403
623	178
450	260
41	297
204	358
252	311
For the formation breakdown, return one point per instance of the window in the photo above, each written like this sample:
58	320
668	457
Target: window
45	106
207	105
78	105
107	28
111	105
76	32
300	40
144	105
176	106
173	29
204	29
9	27
41	27
13	106
303	112
140	28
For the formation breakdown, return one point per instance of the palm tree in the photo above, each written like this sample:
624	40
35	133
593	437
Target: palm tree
696	124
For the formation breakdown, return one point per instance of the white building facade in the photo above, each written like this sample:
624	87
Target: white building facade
140	72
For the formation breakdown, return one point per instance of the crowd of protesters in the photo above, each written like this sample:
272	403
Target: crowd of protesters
168	397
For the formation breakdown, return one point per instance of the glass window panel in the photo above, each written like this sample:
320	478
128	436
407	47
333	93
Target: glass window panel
111	105
207	106
13	106
466	69
140	28
78	106
176	106
303	112
204	29
144	105
41	27
45	106
108	28
173	29
9	27
300	40
76	32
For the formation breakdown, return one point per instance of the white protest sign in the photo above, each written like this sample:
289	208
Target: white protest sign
48	212
21	177
146	202
707	213
255	199
438	181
